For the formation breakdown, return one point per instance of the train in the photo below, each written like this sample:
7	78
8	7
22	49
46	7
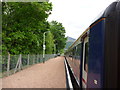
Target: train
93	60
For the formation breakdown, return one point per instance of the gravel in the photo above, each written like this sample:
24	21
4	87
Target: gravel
50	74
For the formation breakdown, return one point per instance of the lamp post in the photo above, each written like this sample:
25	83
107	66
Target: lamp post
44	47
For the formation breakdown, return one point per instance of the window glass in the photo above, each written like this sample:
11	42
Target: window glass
86	57
78	49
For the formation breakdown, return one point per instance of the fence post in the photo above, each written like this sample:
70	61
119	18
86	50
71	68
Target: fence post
17	64
20	62
33	59
8	65
28	60
37	58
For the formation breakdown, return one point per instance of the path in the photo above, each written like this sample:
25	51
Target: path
51	74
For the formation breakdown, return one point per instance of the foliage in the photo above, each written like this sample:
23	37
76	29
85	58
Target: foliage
59	35
23	25
49	43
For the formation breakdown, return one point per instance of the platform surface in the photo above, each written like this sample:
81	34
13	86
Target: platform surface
50	74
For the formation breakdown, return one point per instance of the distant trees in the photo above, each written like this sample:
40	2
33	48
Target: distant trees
49	43
59	35
23	25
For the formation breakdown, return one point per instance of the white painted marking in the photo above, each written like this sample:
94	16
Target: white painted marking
74	75
95	81
69	79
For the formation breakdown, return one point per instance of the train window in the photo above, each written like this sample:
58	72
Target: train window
78	49
73	52
86	57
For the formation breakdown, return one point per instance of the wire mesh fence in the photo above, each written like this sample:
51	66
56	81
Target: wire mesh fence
14	63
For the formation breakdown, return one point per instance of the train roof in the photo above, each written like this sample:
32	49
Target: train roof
112	7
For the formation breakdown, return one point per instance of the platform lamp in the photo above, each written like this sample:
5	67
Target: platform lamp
44	46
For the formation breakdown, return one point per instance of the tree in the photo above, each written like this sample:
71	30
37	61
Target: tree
59	35
49	43
23	26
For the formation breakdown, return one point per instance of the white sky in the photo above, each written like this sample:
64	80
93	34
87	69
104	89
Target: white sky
77	15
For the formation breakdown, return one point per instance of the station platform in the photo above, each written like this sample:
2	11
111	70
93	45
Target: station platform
50	74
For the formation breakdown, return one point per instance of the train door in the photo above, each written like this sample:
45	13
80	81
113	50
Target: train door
85	63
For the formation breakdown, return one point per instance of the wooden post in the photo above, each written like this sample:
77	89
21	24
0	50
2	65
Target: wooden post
28	61
33	59
17	64
20	62
8	65
37	58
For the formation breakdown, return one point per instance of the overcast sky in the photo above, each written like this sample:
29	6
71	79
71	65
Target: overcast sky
77	15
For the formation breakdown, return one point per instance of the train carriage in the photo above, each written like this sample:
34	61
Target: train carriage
93	58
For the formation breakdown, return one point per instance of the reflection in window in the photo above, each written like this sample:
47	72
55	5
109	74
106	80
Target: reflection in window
86	57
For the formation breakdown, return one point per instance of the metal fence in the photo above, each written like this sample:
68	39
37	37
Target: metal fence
14	63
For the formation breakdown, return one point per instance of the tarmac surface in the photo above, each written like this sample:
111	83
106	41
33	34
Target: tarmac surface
50	74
